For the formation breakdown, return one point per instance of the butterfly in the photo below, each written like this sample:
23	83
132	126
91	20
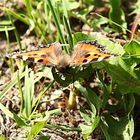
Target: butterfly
83	53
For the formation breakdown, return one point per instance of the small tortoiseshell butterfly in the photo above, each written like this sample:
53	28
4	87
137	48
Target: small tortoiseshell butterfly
84	52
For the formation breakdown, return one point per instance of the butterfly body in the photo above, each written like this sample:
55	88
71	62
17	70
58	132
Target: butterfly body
84	52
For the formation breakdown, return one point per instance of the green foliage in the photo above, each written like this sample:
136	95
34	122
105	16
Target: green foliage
71	74
127	75
20	122
136	7
2	137
119	129
35	130
117	15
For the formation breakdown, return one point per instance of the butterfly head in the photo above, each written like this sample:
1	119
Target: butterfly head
62	62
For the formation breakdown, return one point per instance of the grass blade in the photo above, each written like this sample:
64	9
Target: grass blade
36	102
9	45
28	91
17	16
57	24
6	111
67	23
11	84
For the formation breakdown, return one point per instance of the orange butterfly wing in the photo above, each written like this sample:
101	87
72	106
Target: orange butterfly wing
45	54
89	51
